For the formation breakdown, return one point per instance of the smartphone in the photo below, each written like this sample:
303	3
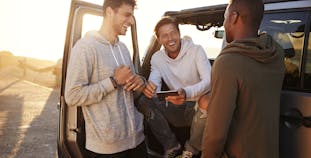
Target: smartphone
162	94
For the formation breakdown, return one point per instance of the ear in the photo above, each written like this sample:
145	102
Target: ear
235	17
109	11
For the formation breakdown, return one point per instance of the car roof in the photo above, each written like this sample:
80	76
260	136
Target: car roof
212	16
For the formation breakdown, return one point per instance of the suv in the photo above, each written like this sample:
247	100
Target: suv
288	22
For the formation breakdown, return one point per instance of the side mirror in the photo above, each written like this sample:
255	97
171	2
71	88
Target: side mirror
219	34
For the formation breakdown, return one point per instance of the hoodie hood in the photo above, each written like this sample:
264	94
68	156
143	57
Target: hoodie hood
186	44
262	49
98	37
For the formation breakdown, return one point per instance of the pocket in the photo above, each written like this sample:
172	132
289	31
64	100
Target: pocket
107	126
111	134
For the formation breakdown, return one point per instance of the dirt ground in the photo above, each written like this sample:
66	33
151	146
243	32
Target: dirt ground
28	119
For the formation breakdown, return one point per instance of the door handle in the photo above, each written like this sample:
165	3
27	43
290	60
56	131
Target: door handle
294	119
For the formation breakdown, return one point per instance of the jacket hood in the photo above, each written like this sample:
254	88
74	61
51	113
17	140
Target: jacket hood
186	44
262	49
98	37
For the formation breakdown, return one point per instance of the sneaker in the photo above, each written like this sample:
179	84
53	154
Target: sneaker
172	153
186	154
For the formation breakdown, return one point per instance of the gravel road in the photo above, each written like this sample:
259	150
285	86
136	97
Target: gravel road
28	119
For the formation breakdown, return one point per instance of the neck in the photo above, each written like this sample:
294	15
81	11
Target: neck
107	31
246	33
173	55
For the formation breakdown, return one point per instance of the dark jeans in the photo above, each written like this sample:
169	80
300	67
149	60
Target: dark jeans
159	115
139	152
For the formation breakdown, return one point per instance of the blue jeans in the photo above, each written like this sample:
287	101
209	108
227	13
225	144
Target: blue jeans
159	115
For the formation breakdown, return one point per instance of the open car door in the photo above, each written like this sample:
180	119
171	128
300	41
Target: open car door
71	131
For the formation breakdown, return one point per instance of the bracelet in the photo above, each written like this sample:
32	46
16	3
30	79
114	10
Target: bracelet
114	81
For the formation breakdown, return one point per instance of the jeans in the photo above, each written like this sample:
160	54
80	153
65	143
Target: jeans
158	115
139	152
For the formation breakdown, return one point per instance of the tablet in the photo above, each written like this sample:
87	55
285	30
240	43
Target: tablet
162	94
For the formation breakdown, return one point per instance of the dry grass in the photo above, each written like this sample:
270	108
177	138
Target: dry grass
34	70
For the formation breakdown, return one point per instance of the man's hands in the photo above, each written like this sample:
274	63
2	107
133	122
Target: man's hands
177	100
121	74
135	82
204	101
124	76
150	89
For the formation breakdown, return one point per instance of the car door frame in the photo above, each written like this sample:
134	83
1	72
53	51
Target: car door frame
71	121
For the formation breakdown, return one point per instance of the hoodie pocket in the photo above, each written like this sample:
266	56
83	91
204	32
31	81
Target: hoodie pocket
117	126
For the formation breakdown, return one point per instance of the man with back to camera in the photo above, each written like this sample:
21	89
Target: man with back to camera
246	85
183	66
101	79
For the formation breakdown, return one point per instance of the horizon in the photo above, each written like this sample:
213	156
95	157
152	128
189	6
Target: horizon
34	29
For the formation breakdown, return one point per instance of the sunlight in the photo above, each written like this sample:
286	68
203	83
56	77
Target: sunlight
37	28
34	28
91	22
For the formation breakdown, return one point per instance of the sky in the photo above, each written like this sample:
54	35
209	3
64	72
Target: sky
37	28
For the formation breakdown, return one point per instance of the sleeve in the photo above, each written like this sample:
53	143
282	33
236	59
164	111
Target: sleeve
204	68
155	74
78	90
221	109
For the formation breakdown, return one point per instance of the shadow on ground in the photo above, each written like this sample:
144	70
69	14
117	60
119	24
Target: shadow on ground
28	120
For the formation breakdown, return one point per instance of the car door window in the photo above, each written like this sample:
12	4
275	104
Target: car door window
212	46
288	30
93	22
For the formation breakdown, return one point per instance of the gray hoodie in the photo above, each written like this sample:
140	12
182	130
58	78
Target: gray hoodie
112	122
190	70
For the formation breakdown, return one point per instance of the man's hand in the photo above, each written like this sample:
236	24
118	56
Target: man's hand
150	89
204	101
177	100
121	74
135	83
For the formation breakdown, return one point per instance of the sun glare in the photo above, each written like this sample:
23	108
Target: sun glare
37	28
34	28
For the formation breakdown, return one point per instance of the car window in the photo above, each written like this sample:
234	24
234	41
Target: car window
288	30
206	39
93	22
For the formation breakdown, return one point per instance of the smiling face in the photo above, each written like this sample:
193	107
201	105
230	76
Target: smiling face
169	37
122	18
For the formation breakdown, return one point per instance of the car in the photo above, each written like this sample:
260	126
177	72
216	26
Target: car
288	22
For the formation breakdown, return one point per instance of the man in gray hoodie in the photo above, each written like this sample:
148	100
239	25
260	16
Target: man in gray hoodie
184	67
247	78
101	79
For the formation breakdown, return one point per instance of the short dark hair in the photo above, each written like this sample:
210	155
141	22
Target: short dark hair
117	3
165	20
251	11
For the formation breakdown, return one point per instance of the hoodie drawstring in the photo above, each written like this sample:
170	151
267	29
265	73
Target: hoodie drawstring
118	64
115	59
